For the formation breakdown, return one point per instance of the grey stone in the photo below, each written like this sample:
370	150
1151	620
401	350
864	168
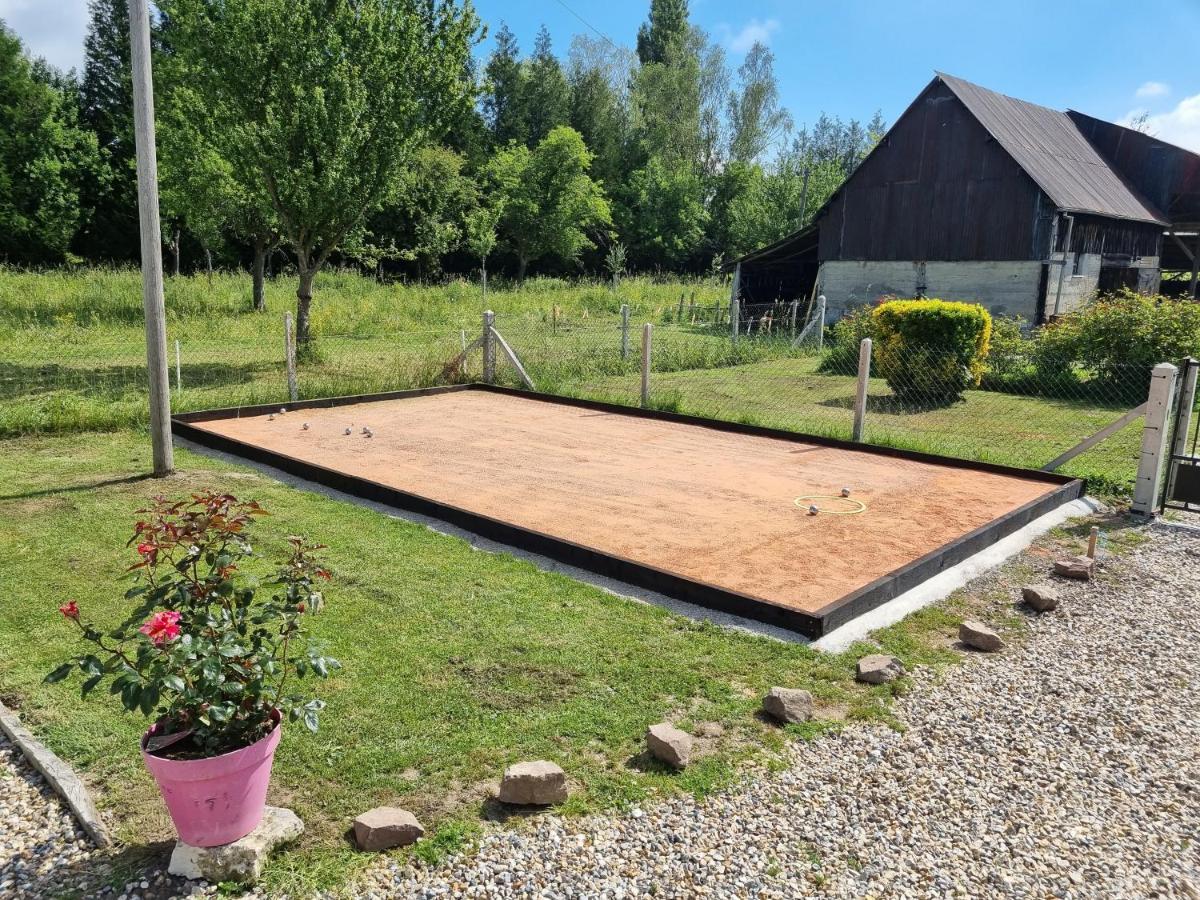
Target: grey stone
671	745
385	827
1077	567
788	704
977	635
243	860
538	783
1041	597
878	668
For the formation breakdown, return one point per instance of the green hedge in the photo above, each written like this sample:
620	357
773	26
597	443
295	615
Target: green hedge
930	351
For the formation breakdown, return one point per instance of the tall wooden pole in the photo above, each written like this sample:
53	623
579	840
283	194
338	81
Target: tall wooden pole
152	274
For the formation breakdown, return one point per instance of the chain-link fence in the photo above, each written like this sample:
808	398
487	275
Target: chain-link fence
766	368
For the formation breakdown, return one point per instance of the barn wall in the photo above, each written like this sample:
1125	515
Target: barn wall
939	187
1006	288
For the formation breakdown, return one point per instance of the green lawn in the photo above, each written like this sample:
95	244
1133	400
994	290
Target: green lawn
457	662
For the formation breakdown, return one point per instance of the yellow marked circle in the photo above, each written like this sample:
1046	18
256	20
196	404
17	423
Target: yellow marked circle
849	506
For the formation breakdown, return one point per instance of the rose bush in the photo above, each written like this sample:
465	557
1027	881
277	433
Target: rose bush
203	653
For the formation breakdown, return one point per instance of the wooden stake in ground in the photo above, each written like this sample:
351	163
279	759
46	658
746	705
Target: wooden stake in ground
1095	533
152	274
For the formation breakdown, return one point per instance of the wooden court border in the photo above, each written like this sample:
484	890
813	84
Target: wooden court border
710	596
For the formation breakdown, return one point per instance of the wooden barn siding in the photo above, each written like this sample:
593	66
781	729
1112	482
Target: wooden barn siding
1112	238
941	188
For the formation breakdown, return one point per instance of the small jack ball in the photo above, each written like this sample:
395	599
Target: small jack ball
845	492
366	430
282	410
813	510
349	431
304	427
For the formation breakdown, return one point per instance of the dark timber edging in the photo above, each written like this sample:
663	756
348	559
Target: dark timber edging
1061	489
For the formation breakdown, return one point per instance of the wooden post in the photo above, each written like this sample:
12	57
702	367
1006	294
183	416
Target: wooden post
1092	536
178	370
489	347
646	336
734	304
860	396
1154	439
624	331
151	239
820	326
679	314
289	355
795	312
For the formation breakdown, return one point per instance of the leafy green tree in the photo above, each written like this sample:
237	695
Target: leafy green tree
480	237
325	101
106	99
756	118
504	96
550	206
663	216
667	25
599	77
546	96
45	157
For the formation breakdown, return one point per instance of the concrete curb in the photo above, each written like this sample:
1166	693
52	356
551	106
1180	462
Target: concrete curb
58	775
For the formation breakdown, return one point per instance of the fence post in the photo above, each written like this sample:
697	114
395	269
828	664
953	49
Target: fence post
860	397
489	347
289	350
624	331
734	305
1183	421
820	326
795	312
1154	439
178	369
647	329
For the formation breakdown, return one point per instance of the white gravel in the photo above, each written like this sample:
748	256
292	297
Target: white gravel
1065	766
1068	766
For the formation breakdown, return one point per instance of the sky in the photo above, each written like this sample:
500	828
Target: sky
849	58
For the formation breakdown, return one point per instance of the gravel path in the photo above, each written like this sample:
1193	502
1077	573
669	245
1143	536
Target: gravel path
1065	767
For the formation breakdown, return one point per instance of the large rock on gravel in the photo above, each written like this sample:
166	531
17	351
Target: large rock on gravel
878	668
538	783
669	744
243	860
385	827
1078	567
1041	597
980	637
788	704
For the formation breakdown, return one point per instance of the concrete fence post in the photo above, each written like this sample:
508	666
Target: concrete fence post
820	326
1152	457
289	351
860	396
735	304
489	347
624	331
1183	424
647	331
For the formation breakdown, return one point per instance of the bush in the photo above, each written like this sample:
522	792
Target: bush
843	339
1120	334
930	350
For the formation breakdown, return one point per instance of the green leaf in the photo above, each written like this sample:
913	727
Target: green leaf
87	686
59	674
310	721
175	683
149	699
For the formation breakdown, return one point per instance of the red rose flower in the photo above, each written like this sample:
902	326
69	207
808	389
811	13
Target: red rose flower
70	609
162	627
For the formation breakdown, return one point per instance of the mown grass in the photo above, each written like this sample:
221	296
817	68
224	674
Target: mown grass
457	662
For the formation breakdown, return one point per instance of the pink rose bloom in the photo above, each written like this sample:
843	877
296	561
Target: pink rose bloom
162	627
70	609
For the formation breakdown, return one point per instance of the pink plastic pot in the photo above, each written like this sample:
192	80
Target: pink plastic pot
219	799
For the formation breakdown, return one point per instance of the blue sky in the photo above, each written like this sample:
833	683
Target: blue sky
851	57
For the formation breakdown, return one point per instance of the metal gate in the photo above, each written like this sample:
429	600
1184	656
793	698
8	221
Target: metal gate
1181	488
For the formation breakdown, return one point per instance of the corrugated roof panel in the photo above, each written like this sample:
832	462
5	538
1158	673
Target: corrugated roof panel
1050	148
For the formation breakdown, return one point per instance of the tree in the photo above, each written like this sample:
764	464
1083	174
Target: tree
663	216
106	100
550	206
757	120
503	100
598	110
325	101
45	157
546	96
480	237
667	25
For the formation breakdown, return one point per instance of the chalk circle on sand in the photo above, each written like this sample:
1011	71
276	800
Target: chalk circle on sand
839	506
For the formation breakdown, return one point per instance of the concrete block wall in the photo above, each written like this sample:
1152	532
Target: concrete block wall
1076	288
1006	288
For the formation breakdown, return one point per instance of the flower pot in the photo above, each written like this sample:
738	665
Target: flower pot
219	799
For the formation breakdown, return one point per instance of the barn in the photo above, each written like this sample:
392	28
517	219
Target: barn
973	195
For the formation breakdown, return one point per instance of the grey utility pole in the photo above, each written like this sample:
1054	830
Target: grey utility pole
152	273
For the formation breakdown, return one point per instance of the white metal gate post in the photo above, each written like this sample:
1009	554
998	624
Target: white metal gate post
1154	439
489	347
735	304
820	323
860	397
647	330
289	356
624	331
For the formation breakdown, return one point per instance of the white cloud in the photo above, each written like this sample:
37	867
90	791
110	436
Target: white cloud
1179	126
755	31
1152	89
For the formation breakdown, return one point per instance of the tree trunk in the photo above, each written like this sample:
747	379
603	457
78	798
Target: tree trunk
483	273
303	302
260	261
208	264
522	264
176	250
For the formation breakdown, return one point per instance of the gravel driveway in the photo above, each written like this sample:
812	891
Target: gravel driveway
1064	767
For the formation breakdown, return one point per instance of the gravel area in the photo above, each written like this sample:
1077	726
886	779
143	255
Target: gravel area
1064	766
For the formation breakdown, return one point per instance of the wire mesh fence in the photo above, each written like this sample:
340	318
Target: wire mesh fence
763	369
